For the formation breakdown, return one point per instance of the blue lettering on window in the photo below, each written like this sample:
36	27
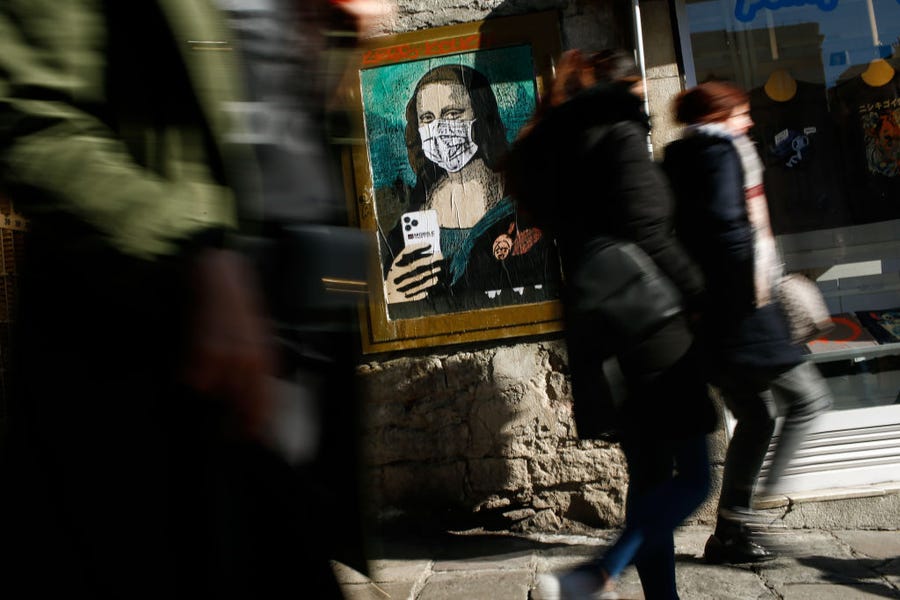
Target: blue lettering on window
745	10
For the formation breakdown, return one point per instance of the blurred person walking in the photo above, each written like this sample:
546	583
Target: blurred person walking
296	58
722	219
583	170
137	458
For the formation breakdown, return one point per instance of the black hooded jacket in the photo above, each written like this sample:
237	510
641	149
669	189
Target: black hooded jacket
584	171
708	181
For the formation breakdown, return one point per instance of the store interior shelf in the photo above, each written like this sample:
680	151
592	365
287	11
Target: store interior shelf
855	354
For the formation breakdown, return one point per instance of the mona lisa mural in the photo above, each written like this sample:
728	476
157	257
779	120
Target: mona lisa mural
456	261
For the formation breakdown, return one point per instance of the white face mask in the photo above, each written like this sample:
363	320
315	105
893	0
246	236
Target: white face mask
448	144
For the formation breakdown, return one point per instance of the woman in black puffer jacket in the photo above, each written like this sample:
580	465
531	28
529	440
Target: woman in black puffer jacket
584	172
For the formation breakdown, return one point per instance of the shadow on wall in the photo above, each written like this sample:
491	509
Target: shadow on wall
437	430
485	439
586	24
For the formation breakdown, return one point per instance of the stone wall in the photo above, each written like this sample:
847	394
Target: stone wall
484	436
583	23
490	432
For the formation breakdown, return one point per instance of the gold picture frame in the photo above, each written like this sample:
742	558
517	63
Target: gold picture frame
437	106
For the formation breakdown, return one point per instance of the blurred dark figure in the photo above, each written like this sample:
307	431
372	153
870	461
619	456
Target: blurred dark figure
143	455
722	220
295	57
584	170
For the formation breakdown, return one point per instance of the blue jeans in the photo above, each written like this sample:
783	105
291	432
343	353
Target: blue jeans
668	480
667	414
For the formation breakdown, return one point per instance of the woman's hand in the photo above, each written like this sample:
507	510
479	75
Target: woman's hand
412	273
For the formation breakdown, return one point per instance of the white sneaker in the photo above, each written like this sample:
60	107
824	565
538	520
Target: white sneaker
547	588
574	585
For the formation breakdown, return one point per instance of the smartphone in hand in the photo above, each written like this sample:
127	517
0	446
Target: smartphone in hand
421	227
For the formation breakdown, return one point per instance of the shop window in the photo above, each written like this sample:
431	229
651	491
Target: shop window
824	83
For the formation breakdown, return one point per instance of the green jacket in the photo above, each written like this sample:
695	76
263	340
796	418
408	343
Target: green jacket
112	116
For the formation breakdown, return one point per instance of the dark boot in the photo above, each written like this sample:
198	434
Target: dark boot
733	542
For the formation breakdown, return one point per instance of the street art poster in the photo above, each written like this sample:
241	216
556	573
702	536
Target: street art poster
440	108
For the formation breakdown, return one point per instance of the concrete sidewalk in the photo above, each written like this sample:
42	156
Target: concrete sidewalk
814	564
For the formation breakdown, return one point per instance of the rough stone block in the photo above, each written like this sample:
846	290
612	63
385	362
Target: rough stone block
578	466
597	507
497	474
545	520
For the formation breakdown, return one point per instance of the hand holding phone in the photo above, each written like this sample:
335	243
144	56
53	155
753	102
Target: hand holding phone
415	270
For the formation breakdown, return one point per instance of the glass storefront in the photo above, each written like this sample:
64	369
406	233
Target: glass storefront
825	98
824	84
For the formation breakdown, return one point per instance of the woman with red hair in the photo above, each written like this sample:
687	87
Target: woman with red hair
722	220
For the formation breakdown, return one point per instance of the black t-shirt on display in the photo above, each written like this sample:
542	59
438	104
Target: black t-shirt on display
799	147
869	123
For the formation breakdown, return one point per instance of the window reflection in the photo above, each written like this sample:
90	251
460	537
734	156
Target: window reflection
825	98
